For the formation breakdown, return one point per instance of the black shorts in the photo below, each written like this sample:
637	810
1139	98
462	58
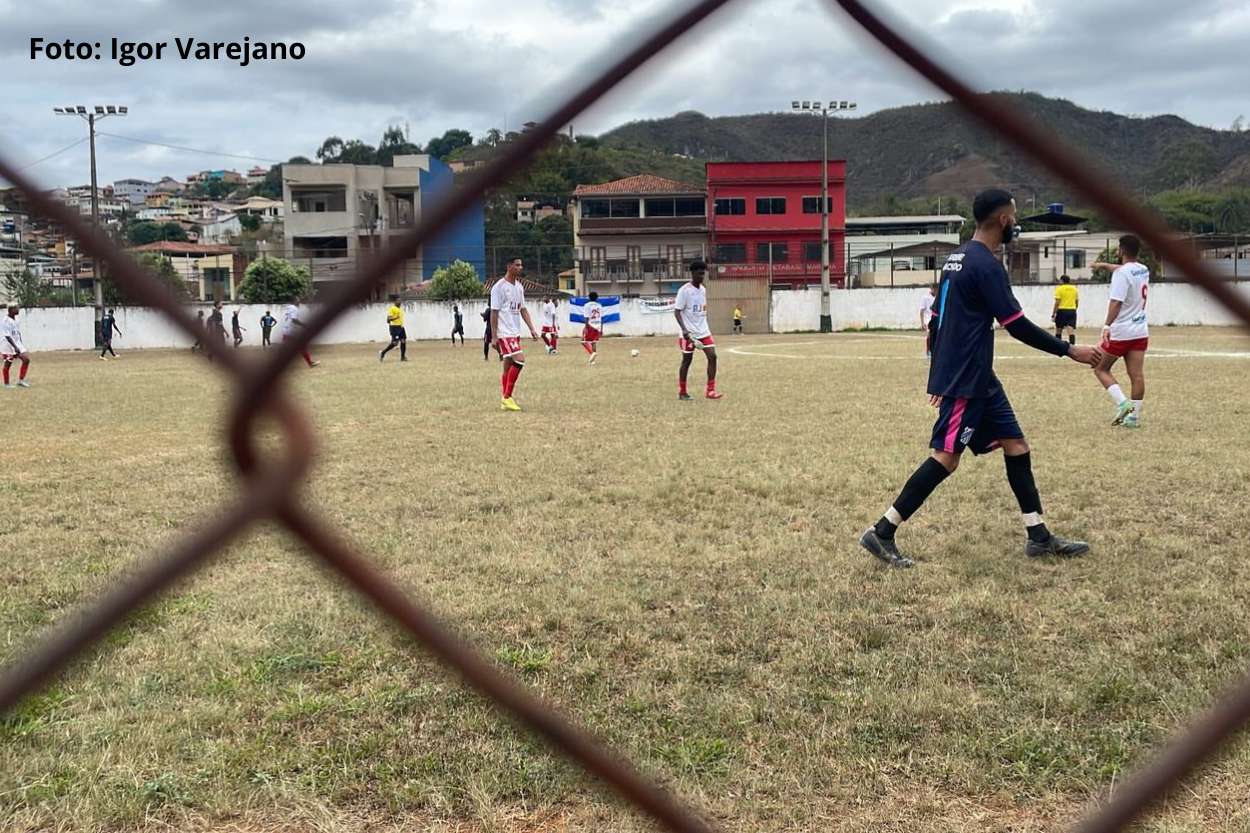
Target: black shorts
458	328
977	424
1066	318
398	334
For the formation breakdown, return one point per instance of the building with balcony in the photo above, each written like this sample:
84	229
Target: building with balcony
211	273
764	221
337	214
901	250
636	236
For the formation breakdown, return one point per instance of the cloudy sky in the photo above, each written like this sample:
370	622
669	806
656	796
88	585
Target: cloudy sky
434	64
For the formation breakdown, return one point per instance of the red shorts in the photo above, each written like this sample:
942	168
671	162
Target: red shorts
550	331
688	347
1119	348
590	334
509	346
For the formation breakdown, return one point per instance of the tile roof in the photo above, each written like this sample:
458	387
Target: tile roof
177	247
640	184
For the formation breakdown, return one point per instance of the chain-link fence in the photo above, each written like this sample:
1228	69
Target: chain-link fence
271	491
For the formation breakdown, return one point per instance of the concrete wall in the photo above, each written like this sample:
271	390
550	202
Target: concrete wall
72	328
1170	303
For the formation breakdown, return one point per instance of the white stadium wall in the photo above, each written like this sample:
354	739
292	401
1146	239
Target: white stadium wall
69	328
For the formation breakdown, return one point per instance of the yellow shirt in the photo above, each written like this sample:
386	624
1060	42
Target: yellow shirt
1065	294
737	313
395	316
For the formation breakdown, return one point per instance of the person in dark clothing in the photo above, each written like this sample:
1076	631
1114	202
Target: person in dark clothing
236	328
108	324
199	341
217	327
267	323
973	409
457	325
486	337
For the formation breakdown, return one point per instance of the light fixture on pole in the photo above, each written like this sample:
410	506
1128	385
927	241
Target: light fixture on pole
826	313
98	112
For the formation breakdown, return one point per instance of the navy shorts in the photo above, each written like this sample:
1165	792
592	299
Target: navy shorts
1066	318
398	334
977	424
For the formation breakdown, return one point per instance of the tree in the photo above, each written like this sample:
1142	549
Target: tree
456	282
213	189
356	152
249	222
394	143
330	151
494	136
27	288
273	281
441	147
145	232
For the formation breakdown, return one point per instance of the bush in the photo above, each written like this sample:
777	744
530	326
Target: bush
274	281
456	282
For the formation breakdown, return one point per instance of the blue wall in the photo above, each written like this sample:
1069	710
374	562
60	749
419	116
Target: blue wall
464	238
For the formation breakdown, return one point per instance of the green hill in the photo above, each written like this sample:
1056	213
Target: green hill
935	149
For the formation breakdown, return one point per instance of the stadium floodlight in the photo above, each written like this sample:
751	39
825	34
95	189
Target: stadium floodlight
853	106
794	105
99	111
112	111
121	111
82	111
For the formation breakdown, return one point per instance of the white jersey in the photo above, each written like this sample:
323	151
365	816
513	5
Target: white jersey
549	315
290	314
594	315
10	331
1130	284
926	308
692	304
508	299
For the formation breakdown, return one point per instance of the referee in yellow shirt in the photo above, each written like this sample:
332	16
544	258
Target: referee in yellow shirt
1064	313
395	320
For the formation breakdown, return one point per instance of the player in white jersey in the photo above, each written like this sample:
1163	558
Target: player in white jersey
691	312
928	319
291	320
12	347
551	324
592	310
1126	333
507	311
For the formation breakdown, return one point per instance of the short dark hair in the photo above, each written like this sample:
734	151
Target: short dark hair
394	297
988	202
698	266
513	259
1063	278
1130	244
594	296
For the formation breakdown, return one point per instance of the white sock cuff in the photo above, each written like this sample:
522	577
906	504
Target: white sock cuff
893	516
1117	395
1032	518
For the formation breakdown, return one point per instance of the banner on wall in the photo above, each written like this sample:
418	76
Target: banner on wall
656	305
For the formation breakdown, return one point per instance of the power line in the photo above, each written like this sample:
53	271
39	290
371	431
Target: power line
56	153
187	149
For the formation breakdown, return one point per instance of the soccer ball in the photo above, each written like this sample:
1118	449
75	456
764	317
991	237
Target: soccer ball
634	353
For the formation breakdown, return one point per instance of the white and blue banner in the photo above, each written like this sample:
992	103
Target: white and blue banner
611	309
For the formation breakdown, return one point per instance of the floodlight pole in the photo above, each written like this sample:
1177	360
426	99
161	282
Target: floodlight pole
90	117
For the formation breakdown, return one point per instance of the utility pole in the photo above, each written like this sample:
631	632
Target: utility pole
97	112
826	312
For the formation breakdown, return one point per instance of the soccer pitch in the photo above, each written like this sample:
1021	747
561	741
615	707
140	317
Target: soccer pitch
682	578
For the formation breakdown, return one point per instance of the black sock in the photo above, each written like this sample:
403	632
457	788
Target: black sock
1020	476
927	477
1072	339
1058	333
403	349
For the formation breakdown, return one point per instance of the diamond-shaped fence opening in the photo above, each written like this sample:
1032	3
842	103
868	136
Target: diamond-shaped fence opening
270	493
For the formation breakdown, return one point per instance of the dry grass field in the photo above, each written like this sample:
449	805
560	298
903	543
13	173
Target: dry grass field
683	578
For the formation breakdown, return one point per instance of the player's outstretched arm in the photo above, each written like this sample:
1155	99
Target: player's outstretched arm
1026	332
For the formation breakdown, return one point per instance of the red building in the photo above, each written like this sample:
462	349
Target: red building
764	220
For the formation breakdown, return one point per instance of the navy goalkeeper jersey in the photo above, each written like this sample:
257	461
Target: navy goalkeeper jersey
973	293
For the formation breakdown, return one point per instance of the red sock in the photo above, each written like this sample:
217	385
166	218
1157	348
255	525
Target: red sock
554	339
711	385
586	346
6	372
21	374
512	377
307	357
503	381
681	385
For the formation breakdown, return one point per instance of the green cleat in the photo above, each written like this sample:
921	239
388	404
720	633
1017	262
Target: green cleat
1122	412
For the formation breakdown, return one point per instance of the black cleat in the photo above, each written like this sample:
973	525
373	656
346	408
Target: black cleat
884	549
1055	547
685	397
